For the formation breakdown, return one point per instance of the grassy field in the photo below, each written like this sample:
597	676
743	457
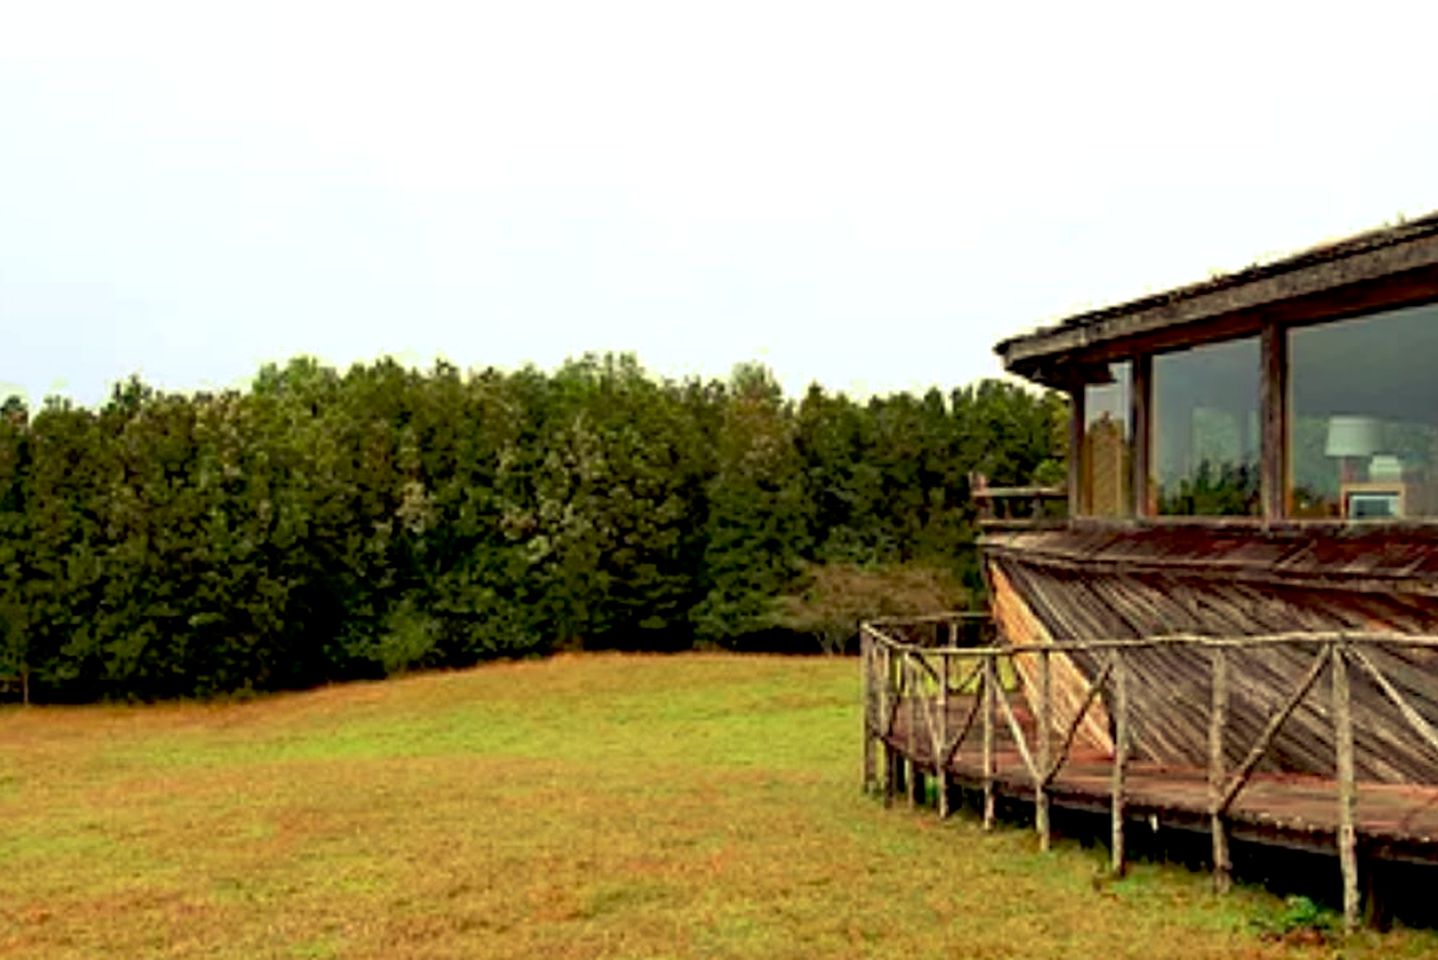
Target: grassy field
597	806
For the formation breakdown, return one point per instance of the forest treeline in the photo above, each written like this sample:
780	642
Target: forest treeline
323	526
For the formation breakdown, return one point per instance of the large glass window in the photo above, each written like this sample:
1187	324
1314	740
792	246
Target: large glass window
1105	489
1206	430
1364	421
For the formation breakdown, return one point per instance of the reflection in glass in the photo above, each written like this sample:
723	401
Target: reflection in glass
1364	420
1206	430
1107	445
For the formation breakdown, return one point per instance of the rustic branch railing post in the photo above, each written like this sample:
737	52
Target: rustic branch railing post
866	680
1120	762
990	698
915	782
1045	734
941	738
1217	724
898	671
1347	786
886	711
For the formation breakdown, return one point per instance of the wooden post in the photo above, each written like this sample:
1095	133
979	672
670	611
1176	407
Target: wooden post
1347	787
941	773
1273	403
990	697
1045	734
1076	452
1144	501
886	708
915	782
866	679
1217	724
1120	762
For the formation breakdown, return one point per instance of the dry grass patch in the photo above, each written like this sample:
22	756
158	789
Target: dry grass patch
600	806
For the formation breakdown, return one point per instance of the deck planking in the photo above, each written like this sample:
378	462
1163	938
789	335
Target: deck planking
1395	821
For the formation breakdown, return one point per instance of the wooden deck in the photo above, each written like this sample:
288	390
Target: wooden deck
1325	752
1394	821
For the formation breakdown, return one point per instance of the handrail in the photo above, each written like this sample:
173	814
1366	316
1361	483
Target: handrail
1417	641
1016	493
898	674
951	615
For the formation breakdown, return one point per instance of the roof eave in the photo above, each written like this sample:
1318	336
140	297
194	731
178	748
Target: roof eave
1358	260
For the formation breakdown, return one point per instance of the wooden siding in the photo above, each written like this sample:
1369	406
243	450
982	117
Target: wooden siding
1076	585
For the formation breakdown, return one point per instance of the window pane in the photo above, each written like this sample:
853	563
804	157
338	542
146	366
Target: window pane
1107	445
1364	429
1206	430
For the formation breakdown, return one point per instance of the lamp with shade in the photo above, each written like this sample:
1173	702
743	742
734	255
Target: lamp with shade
1352	438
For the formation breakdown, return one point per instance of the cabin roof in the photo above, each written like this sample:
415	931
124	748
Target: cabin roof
1379	557
1322	272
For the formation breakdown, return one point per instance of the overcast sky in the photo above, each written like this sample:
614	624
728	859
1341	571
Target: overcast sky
864	195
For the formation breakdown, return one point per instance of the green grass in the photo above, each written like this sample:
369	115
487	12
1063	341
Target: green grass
604	806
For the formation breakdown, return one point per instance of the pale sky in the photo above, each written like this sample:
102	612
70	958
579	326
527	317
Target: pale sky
866	195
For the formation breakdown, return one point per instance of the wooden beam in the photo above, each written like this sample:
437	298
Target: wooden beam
1076	448
1066	743
1415	719
1141	414
1265	739
1217	724
1347	786
1393	276
1018	734
1273	412
953	745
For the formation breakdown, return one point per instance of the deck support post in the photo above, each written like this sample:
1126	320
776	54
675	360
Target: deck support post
1120	762
1347	787
989	687
1217	724
941	739
1045	735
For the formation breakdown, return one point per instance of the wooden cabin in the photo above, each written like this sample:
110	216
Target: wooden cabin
1241	603
1256	454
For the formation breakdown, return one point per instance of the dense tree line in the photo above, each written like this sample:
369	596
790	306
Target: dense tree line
323	526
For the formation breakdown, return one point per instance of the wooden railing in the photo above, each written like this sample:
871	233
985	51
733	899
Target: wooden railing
1018	507
922	679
